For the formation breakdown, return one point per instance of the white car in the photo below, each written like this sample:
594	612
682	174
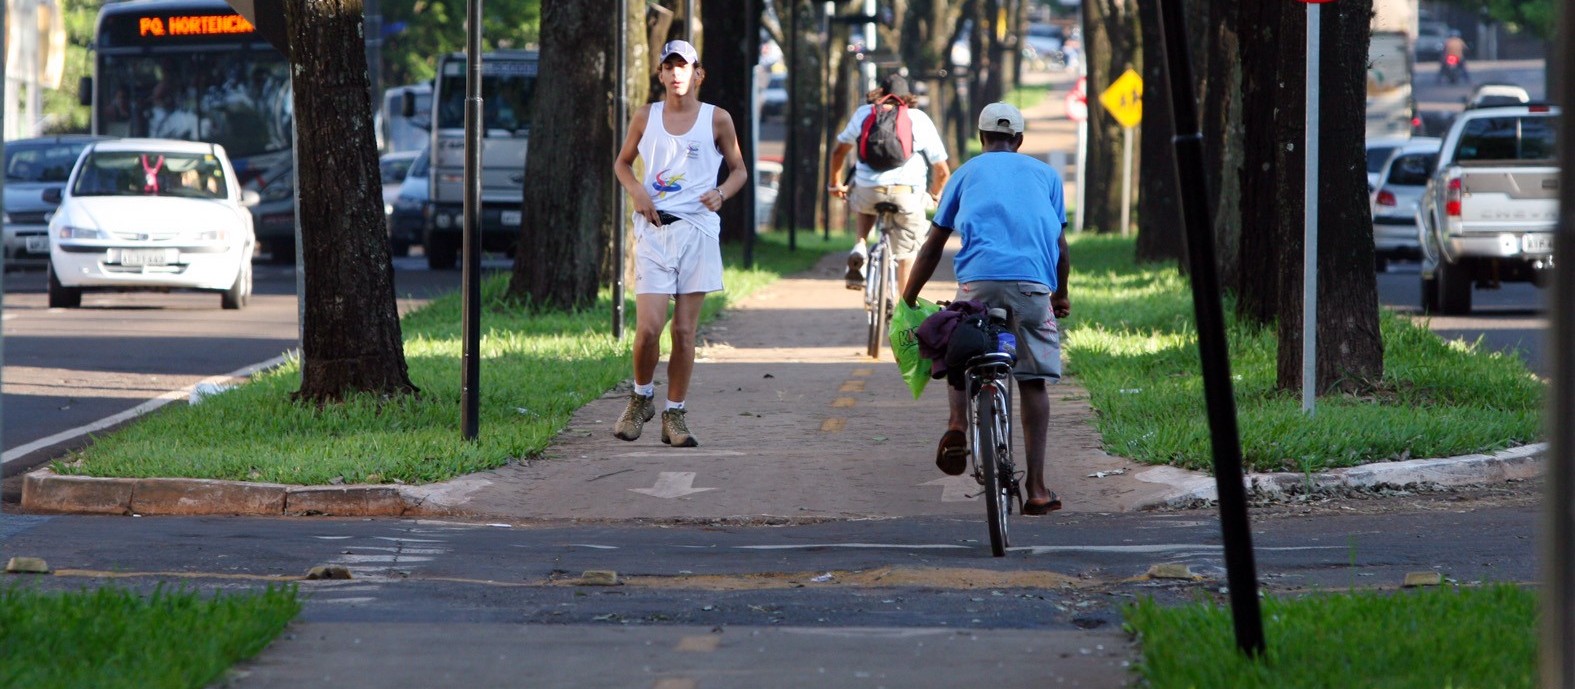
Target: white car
1401	181
151	214
1493	95
1378	151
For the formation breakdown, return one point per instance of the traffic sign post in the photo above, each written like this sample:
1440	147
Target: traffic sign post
1310	214
1124	100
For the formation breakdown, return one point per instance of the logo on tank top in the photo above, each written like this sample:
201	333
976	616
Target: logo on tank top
694	151
663	185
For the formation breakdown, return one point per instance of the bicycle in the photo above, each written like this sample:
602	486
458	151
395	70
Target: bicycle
880	279
988	378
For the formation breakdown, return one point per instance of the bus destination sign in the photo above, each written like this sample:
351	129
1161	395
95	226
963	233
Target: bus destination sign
198	25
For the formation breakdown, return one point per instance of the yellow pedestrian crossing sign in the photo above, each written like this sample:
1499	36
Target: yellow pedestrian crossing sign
1124	99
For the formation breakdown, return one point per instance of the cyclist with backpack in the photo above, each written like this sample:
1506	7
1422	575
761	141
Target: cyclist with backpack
901	160
1010	210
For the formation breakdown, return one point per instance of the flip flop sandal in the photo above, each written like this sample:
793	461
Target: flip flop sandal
952	454
1036	509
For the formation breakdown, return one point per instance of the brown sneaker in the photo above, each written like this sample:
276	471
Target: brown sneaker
674	431
639	411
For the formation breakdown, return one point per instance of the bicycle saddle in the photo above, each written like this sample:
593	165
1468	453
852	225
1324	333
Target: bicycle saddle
887	207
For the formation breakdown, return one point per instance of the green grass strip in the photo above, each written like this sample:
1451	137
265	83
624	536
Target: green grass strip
1481	638
111	638
536	370
1132	343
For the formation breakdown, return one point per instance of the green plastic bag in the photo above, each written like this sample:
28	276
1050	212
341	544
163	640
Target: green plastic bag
904	323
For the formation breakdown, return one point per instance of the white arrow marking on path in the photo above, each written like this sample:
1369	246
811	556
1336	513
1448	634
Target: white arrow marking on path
956	488
672	484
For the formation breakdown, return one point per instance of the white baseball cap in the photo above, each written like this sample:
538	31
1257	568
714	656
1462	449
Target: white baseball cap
682	49
1001	117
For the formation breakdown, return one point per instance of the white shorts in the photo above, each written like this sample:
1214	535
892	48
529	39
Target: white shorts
678	258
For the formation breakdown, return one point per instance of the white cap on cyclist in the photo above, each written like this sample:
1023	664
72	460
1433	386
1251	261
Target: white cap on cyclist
1001	117
681	49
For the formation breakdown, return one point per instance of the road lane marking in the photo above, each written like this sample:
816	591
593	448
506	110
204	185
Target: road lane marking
956	488
134	412
843	402
862	372
699	644
672	484
852	386
833	425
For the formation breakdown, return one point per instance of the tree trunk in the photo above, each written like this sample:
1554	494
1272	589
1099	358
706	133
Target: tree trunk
928	29
636	89
731	50
1112	39
1350	348
1220	89
799	198
568	213
1159	217
351	339
1272	96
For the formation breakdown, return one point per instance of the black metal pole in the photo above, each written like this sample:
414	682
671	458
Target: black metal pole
1558	540
620	210
471	385
1240	571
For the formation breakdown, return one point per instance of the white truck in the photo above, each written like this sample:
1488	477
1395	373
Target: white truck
1491	206
508	83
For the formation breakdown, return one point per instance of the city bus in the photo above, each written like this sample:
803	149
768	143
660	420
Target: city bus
197	70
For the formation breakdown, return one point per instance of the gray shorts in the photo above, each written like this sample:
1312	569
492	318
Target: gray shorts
1038	334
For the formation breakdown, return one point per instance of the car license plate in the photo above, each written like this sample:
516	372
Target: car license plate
144	257
511	218
38	244
1537	243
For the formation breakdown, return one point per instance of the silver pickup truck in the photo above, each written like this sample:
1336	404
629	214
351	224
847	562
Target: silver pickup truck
1491	206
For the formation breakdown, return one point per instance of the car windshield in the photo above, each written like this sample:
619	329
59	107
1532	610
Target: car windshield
1377	156
151	173
1508	138
418	167
394	170
41	163
1412	169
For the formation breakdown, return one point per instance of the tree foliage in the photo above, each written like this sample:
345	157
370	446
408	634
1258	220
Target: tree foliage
1536	16
434	27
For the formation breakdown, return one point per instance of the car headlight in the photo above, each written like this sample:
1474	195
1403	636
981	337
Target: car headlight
444	220
74	232
388	209
213	235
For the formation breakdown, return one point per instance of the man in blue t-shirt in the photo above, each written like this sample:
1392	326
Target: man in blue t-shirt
1010	212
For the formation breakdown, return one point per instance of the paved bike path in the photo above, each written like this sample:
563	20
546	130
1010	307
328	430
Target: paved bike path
794	421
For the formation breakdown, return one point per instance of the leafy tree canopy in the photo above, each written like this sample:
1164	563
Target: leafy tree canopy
1536	16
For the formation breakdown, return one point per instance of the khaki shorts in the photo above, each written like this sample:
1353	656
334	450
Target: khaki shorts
912	227
1038	333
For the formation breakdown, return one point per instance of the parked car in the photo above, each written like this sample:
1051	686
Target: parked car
151	214
1401	181
408	220
394	167
1379	148
31	166
773	98
1045	40
767	173
1495	94
273	215
1490	212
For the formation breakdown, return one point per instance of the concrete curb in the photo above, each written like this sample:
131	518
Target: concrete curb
45	491
1514	464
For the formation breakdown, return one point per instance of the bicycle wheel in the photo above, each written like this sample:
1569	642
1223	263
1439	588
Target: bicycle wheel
995	488
881	316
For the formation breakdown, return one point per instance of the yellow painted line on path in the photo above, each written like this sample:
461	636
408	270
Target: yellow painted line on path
699	644
852	386
862	372
833	425
843	402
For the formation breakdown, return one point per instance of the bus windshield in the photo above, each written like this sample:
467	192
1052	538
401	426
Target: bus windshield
241	102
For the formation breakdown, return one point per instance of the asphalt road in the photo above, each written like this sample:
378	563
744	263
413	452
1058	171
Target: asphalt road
68	368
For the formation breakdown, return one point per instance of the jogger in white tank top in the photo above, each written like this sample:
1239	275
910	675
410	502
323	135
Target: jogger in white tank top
681	143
